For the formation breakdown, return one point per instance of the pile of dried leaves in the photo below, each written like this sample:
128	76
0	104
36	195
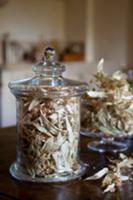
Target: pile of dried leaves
48	135
118	171
109	106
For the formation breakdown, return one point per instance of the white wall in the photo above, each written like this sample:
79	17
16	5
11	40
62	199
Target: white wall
75	19
89	31
29	20
107	33
130	36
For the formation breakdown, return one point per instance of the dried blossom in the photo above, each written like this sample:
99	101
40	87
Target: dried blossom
48	135
98	175
118	171
109	109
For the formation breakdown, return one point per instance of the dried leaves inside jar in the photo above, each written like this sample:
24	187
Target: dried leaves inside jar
48	135
109	106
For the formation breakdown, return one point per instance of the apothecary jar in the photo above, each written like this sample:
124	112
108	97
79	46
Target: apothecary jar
48	124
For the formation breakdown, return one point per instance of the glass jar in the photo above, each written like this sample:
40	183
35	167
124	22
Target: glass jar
102	118
48	124
89	107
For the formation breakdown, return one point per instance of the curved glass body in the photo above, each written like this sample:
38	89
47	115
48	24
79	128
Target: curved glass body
48	125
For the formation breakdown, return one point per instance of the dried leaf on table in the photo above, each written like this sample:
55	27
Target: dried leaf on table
98	175
118	171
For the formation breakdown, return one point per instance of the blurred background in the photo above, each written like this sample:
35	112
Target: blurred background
82	31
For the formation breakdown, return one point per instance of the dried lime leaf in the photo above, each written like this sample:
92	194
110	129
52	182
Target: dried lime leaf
33	103
109	109
110	188
49	132
118	171
98	175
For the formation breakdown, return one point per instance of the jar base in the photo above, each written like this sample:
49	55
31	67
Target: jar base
17	173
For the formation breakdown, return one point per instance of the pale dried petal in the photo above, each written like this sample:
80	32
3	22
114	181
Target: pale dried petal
125	163
118	75
33	103
96	94
110	188
69	130
122	156
100	65
42	129
99	174
124	178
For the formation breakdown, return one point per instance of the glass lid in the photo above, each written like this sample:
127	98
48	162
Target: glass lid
48	79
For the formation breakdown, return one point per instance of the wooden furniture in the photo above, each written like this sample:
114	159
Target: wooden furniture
11	189
68	57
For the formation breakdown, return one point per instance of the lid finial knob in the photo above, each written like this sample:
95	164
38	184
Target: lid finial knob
49	54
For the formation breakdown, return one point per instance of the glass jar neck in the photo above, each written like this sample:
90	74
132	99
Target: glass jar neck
49	73
48	69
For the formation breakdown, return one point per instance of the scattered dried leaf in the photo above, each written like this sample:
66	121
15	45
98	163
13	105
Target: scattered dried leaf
99	174
118	171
